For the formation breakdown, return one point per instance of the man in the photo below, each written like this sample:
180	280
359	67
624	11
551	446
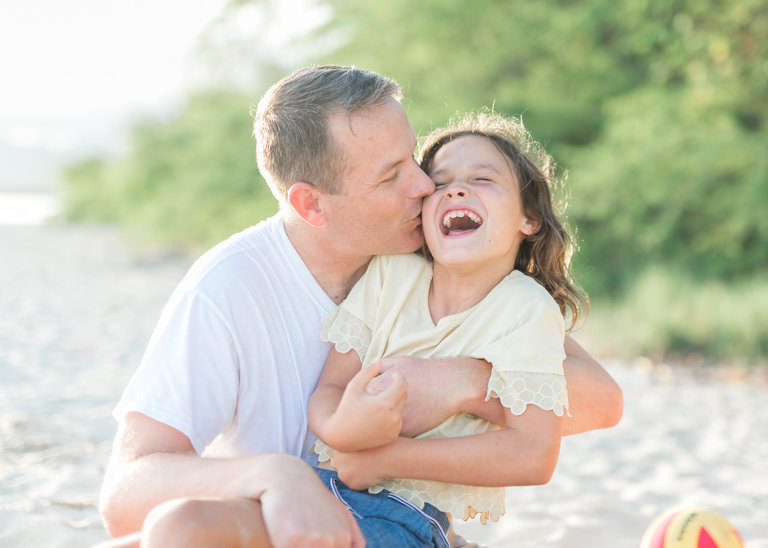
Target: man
236	353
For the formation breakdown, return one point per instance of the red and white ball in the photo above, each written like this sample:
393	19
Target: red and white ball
691	528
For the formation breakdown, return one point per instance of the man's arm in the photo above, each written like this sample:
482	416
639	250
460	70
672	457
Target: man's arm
153	463
594	399
438	389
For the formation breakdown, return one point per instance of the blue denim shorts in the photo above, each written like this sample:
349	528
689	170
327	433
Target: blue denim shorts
387	520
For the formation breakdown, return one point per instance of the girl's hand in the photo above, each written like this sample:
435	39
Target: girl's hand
366	418
359	469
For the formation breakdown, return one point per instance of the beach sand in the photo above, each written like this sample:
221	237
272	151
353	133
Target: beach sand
78	306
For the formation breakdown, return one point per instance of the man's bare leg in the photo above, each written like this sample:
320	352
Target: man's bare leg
191	523
206	522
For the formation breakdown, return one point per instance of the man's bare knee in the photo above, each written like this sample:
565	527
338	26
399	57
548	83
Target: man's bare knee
192	523
174	523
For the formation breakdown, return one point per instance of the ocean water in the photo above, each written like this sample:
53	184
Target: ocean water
27	208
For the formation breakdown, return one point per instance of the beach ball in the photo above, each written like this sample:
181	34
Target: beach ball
691	528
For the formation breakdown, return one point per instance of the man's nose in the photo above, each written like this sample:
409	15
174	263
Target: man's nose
421	184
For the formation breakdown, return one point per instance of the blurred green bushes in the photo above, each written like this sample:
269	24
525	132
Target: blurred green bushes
658	110
188	181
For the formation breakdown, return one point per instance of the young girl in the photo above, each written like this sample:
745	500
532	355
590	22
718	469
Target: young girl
494	286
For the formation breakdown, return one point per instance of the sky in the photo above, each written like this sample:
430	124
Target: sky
69	69
75	74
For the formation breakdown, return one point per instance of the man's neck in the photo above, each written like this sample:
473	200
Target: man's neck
335	270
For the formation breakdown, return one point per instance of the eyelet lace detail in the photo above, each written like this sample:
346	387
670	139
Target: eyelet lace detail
464	501
516	390
346	332
323	451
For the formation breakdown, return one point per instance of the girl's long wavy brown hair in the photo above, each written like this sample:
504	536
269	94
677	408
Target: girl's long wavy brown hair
546	254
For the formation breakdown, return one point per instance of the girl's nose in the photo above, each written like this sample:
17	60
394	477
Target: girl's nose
456	192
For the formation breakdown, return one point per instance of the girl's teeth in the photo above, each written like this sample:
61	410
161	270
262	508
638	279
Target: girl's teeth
456	214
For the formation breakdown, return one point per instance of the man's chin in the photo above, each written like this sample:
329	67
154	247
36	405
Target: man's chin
416	245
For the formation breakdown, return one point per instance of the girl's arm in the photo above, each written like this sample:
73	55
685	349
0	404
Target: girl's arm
346	414
525	453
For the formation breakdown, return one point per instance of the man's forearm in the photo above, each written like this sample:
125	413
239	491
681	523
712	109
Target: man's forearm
438	389
132	489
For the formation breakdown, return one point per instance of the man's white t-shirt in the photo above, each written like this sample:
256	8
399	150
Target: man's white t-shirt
237	351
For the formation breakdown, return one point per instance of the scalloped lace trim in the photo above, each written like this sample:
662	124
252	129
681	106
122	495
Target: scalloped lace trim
516	390
346	332
465	501
324	451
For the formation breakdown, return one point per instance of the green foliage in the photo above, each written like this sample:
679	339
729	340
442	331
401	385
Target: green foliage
539	58
671	313
657	108
188	181
669	183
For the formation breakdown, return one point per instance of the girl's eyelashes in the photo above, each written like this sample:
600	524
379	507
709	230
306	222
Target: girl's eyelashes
439	184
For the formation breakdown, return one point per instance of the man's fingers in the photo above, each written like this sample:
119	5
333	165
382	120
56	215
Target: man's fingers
358	540
361	379
396	392
387	364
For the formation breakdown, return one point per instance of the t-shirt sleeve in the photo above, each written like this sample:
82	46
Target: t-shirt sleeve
350	326
528	361
188	378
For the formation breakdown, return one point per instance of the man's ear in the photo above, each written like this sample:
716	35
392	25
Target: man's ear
305	201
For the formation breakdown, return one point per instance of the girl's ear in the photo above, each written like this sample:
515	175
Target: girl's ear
305	201
530	226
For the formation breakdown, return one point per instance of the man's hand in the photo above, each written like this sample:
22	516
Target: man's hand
368	417
438	389
154	463
300	511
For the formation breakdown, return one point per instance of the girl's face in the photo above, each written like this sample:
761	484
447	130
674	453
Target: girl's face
475	217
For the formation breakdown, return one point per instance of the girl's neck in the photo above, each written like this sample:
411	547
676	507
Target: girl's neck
454	290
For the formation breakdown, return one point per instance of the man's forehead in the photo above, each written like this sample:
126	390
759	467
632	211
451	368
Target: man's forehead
383	130
363	120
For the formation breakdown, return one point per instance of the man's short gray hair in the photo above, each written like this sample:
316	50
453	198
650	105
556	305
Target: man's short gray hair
291	125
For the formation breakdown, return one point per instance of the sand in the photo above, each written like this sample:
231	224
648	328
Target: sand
78	306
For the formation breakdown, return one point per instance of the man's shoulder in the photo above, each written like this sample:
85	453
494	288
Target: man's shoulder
268	234
243	253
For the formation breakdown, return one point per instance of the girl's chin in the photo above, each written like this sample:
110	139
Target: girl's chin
455	259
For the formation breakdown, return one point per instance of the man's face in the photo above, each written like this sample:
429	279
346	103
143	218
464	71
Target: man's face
379	208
